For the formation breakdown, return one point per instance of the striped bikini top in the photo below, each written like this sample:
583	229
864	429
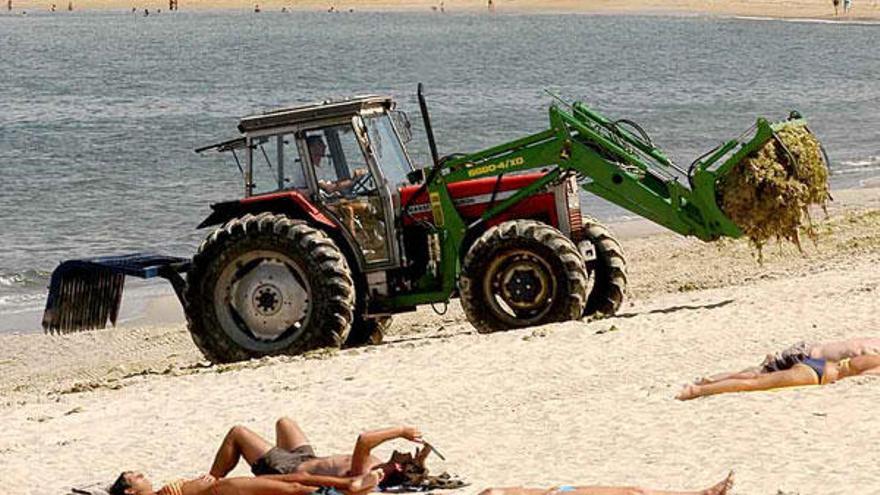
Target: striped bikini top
173	488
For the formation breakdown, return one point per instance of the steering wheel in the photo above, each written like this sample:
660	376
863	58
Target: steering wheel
361	184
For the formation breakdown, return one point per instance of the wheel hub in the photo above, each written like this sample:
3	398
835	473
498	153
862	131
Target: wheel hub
520	284
267	299
523	286
266	293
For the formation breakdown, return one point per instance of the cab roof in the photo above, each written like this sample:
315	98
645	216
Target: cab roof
316	111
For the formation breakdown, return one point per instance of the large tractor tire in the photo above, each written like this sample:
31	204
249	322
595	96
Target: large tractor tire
606	267
522	273
368	331
266	285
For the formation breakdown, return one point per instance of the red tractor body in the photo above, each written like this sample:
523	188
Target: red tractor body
557	206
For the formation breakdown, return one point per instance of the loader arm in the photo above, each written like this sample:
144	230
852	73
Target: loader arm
610	162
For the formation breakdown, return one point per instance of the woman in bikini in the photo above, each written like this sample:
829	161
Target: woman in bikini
788	357
720	488
809	371
290	467
133	483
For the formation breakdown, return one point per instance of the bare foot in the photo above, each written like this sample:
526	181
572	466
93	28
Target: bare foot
702	380
688	392
721	487
367	481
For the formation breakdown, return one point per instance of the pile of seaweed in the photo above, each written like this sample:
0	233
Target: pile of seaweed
768	194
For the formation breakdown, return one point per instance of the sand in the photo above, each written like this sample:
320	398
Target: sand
577	402
806	9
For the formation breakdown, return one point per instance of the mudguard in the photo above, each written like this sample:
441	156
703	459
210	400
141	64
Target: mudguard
293	203
296	205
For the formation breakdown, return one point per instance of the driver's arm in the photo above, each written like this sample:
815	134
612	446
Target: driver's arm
342	184
337	186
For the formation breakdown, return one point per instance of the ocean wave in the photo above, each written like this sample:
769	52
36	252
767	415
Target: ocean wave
25	279
871	161
809	20
18	303
856	166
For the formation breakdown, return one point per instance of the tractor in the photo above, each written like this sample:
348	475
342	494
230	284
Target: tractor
338	231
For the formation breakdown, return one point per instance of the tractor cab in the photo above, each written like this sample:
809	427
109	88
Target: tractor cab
347	159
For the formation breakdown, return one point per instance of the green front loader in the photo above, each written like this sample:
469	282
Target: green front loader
345	232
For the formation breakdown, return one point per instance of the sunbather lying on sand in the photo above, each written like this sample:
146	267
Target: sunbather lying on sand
807	372
720	488
132	483
829	351
293	455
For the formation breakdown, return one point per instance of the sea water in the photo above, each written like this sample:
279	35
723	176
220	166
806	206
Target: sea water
100	112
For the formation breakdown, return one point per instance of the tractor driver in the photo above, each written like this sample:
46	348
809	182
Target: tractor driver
360	216
317	148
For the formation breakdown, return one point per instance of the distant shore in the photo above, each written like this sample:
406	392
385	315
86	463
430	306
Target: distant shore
793	9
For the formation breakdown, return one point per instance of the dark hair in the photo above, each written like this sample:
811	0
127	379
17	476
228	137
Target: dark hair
120	485
315	139
396	476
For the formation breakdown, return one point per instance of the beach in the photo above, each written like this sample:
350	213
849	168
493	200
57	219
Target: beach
581	402
805	9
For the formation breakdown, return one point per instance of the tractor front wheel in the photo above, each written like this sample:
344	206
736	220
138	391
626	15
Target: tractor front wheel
522	273
265	285
606	267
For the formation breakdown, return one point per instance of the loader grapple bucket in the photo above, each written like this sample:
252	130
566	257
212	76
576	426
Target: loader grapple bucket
711	171
85	294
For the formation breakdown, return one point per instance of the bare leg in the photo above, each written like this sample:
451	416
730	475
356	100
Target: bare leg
259	486
239	442
798	375
746	373
288	434
720	488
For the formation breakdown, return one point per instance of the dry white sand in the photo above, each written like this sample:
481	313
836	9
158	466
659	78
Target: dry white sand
579	402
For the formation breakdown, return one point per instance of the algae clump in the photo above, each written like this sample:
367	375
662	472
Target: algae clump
768	194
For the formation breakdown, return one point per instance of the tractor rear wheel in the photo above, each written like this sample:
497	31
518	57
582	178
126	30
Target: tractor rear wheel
368	331
519	274
606	267
265	285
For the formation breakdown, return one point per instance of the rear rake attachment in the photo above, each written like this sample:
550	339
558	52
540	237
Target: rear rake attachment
85	294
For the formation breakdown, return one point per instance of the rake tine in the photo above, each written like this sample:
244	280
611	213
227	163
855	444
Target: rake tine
88	305
85	294
117	285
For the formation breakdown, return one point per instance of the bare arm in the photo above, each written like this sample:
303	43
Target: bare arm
254	486
342	483
367	441
746	373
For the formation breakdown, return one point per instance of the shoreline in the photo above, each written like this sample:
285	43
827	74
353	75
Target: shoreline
152	308
795	10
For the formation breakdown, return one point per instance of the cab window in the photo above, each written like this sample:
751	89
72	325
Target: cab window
388	150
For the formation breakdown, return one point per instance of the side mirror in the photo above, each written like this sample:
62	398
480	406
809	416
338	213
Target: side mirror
403	125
